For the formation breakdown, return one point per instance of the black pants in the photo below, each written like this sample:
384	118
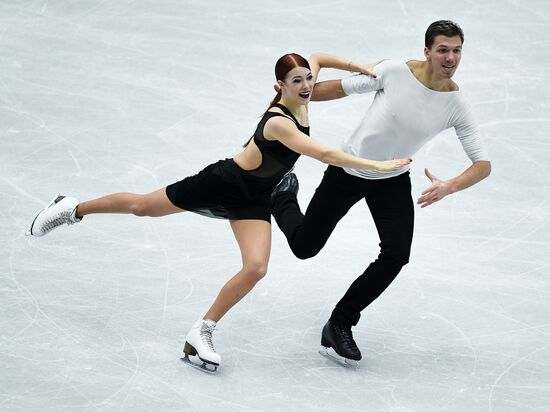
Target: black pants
391	206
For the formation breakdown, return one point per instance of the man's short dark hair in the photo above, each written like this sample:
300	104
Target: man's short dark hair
446	28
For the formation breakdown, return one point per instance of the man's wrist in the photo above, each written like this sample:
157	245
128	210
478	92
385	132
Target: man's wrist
452	186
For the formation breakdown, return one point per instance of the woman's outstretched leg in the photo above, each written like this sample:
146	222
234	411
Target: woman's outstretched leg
254	239
154	204
67	210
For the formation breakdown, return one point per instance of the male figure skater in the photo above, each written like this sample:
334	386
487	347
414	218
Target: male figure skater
414	102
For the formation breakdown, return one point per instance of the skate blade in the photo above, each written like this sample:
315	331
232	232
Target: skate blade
204	367
57	196
329	353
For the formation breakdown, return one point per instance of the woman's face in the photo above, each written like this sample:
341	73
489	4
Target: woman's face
298	85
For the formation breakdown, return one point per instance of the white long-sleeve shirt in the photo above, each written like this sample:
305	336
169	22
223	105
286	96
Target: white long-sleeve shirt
405	115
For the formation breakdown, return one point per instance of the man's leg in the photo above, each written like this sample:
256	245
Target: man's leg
307	234
392	208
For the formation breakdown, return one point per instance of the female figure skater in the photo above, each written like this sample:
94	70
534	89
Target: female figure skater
238	189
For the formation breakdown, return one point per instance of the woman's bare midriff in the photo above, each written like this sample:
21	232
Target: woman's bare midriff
250	158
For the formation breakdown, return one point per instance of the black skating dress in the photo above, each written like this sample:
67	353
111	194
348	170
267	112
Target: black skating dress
224	190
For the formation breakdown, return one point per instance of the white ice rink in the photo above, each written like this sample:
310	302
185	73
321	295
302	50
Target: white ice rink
106	96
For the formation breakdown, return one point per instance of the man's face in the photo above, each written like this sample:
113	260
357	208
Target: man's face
444	55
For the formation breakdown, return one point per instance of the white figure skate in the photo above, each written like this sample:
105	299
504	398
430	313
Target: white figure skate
61	210
199	343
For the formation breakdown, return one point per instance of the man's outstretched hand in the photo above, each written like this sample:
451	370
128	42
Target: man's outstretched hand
437	191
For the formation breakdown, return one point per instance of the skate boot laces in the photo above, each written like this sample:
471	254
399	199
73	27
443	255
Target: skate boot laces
346	335
64	216
206	335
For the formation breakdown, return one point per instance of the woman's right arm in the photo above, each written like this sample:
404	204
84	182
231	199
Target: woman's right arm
284	130
328	90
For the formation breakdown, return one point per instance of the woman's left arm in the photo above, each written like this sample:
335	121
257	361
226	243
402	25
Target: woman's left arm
317	61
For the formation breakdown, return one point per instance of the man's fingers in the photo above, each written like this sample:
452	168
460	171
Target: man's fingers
426	203
428	190
429	202
428	199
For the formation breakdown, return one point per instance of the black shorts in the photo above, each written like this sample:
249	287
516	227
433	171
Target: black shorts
223	190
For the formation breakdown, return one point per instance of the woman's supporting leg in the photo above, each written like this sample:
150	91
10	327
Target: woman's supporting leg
254	239
154	204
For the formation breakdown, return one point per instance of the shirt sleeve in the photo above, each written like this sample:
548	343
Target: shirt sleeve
467	130
361	83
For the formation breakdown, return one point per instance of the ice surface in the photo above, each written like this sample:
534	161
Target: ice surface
107	96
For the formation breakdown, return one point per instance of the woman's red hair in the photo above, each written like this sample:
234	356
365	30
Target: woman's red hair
285	64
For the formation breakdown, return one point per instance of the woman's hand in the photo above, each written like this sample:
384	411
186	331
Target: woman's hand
389	165
367	69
